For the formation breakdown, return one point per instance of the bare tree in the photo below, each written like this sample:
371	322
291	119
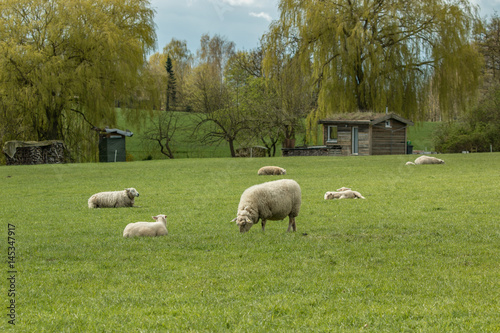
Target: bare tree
162	130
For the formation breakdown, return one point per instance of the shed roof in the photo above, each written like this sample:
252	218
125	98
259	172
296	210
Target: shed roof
369	118
115	130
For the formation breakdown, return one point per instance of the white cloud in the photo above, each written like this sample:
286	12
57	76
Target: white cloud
263	15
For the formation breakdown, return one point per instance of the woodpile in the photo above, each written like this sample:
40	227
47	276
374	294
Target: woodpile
256	151
35	152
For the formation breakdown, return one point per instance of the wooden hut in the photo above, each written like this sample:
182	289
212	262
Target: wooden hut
365	133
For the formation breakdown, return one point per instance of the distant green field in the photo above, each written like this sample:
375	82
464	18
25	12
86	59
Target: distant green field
420	254
186	146
421	135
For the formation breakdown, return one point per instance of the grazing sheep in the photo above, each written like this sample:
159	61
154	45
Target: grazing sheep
269	201
347	194
149	229
123	198
271	171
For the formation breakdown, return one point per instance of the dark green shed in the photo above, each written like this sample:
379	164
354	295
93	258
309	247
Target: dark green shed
112	145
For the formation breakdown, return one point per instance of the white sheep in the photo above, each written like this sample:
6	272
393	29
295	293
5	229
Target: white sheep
269	201
346	194
424	159
428	160
123	198
149	229
271	170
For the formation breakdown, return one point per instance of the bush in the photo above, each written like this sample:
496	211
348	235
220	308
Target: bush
477	130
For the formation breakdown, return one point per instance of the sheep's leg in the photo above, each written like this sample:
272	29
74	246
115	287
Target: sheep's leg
263	221
291	224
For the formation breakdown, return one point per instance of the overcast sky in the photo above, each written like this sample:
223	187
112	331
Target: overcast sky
240	21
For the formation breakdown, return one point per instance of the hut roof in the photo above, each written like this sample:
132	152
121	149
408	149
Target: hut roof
108	130
370	118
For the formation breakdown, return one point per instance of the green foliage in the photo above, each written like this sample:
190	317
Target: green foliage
476	130
171	84
63	64
420	254
369	55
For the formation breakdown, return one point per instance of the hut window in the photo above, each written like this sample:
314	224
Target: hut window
388	124
332	134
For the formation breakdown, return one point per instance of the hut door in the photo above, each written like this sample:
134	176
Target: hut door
355	141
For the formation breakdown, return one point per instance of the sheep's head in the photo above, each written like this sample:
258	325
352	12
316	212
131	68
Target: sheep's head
343	189
132	192
160	217
243	221
331	195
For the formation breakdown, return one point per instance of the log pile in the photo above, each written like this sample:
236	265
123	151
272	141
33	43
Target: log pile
32	152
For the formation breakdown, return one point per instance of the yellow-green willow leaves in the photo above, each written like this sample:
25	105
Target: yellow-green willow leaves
378	54
64	63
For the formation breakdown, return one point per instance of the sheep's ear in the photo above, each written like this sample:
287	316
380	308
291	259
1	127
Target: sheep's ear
155	217
234	220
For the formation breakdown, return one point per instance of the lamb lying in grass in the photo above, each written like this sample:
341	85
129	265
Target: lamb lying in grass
148	229
344	194
269	201
424	159
114	199
271	171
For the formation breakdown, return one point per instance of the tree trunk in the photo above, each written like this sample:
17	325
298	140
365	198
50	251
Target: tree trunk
231	147
51	132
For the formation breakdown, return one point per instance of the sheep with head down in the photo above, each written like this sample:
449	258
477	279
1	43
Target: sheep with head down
113	199
273	200
271	171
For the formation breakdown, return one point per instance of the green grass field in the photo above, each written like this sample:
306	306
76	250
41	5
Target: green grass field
420	254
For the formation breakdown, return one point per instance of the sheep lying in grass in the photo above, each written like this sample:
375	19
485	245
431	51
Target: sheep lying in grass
123	198
345	194
424	159
269	201
149	229
271	171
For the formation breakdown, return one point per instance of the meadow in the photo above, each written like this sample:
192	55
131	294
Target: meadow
420	254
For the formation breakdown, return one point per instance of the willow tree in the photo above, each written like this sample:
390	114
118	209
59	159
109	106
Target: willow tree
373	54
64	63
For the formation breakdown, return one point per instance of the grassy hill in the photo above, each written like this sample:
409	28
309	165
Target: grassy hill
185	144
419	254
421	135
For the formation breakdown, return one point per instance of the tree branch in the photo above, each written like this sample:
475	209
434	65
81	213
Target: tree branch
84	117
